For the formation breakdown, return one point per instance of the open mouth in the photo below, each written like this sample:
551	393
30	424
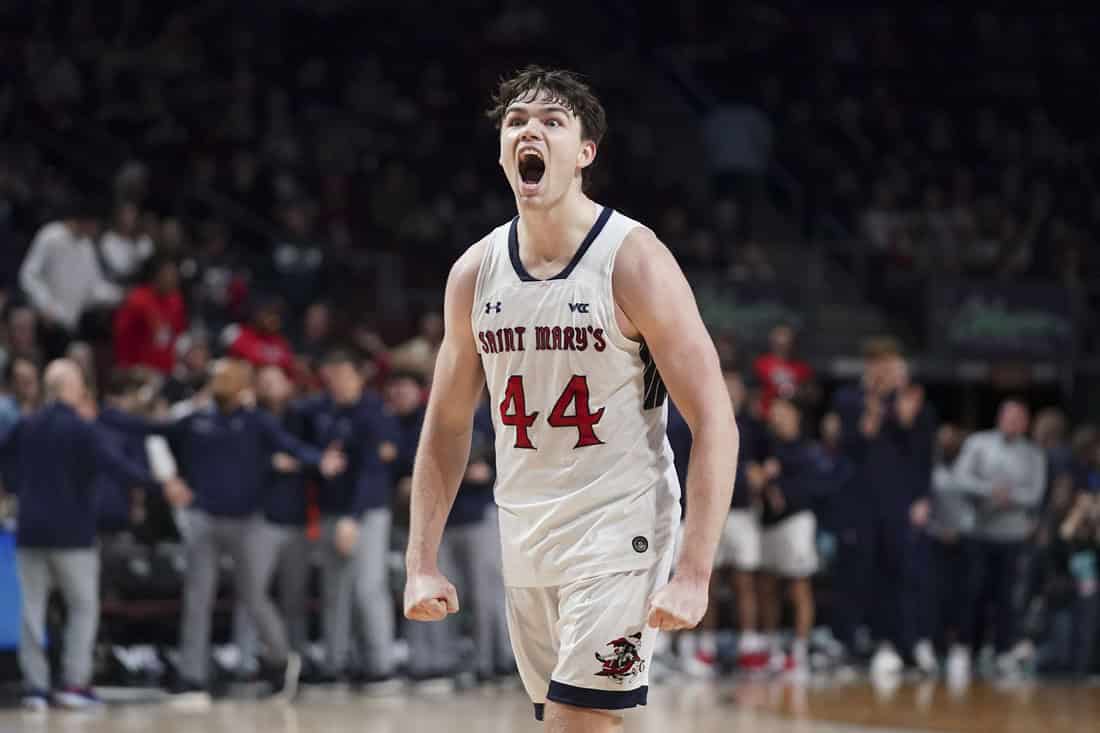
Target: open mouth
531	166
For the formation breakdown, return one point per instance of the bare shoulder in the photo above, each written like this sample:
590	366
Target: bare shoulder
462	279
464	270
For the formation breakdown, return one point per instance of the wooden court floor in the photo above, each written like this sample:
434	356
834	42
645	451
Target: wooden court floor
696	708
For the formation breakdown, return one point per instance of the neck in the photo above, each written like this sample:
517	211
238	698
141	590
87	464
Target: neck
552	234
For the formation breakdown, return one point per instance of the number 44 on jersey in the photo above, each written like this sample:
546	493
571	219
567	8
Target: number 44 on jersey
513	412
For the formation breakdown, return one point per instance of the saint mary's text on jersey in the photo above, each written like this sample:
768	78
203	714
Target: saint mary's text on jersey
546	338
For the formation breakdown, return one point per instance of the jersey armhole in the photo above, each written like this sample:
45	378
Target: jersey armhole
615	332
483	274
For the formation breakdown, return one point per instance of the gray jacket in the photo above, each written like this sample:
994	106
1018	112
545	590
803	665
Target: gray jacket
988	460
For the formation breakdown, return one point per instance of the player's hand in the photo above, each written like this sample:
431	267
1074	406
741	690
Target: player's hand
333	461
178	493
679	605
345	536
429	597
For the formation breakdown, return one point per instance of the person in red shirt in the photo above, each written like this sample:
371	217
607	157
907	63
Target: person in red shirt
780	373
150	319
261	341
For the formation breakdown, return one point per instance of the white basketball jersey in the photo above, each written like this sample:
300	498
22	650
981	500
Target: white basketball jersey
585	479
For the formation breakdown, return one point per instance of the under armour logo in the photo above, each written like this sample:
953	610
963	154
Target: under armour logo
578	307
492	307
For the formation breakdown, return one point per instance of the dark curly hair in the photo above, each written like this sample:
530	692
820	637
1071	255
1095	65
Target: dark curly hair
560	87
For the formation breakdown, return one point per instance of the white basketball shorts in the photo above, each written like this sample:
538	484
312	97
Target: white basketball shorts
790	546
587	644
740	545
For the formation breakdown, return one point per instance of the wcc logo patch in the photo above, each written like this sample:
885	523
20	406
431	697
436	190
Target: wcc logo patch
578	307
624	662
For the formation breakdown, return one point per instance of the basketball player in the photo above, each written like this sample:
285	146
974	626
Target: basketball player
578	318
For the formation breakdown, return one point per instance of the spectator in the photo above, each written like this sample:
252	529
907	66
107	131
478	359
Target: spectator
124	248
950	524
1083	446
356	518
780	373
150	320
114	498
24	388
191	370
216	279
317	337
57	530
1049	436
1073	586
1005	474
19	394
298	263
62	277
286	549
889	433
788	542
261	342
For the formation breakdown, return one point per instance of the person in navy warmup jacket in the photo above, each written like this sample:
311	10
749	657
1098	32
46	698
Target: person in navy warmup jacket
282	544
356	520
889	433
53	459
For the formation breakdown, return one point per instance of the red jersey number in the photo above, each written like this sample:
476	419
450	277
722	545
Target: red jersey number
513	412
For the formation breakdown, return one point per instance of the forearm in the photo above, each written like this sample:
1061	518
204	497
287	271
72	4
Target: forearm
440	464
712	469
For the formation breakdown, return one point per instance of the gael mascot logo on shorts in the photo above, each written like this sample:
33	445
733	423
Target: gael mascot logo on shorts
624	661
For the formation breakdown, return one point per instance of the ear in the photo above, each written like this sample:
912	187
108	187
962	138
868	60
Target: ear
587	154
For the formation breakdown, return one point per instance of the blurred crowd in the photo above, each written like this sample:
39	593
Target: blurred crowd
931	144
927	545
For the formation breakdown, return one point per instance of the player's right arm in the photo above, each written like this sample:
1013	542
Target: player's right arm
444	445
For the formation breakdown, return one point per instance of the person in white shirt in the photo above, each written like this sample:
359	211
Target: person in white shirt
124	247
61	274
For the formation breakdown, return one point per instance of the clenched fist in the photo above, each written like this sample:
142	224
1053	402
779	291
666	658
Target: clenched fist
429	597
679	605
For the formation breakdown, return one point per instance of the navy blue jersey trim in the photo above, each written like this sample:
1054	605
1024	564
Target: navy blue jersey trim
517	263
655	390
540	711
582	697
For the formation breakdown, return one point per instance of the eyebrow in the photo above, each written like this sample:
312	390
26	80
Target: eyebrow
549	108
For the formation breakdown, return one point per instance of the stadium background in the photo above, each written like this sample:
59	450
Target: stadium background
928	174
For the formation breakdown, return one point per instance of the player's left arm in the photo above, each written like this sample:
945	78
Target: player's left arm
653	294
